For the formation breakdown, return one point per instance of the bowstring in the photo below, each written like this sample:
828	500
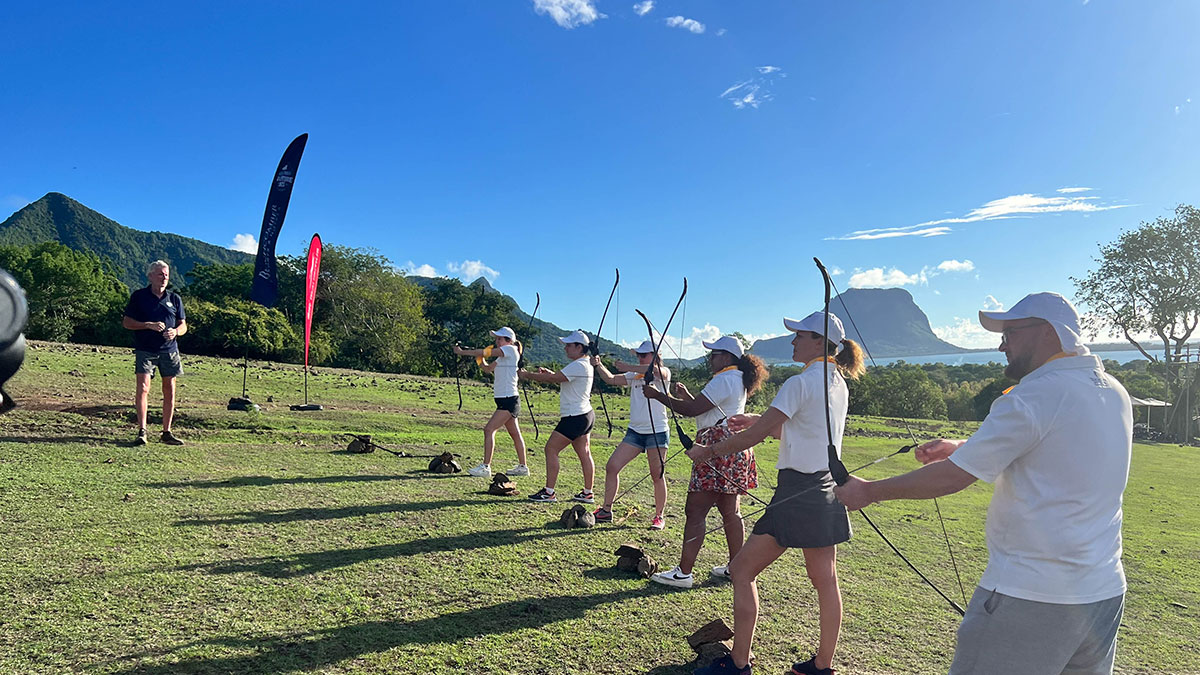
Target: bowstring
913	436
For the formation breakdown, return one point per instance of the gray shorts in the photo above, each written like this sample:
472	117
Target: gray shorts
168	363
1002	634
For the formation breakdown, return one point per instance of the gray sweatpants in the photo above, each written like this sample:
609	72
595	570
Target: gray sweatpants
1002	634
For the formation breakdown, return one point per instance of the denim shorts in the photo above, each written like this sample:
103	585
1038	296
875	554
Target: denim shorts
642	441
168	363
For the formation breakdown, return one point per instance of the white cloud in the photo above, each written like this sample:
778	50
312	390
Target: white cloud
686	24
755	91
956	266
470	270
16	202
414	270
1013	206
767	70
1069	190
877	277
836	271
246	243
967	333
568	13
721	31
991	304
643	8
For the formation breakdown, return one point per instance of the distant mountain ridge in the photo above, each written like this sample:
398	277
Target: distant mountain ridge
890	320
57	217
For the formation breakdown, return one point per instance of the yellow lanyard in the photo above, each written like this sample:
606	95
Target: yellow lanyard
814	362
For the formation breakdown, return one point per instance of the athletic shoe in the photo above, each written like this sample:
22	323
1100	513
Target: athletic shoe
169	439
602	515
543	496
809	667
674	578
141	437
585	496
722	666
480	471
720	572
518	470
657	523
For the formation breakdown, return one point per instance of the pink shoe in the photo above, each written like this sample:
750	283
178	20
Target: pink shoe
657	523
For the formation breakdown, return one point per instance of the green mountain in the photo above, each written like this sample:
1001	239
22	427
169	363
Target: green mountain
890	321
57	217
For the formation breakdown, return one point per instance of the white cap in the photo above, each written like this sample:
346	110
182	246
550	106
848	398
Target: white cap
647	347
578	337
1050	307
504	332
815	323
726	343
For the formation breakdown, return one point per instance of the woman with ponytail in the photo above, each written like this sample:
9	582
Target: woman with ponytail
804	513
507	351
720	482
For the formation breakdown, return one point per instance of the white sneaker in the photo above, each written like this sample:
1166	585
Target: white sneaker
672	577
518	470
483	471
721	572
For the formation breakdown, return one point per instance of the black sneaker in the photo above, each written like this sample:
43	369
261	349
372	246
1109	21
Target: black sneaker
543	496
809	667
602	515
169	439
585	496
141	437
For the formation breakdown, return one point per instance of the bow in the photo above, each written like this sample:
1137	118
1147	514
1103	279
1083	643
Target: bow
458	367
594	348
684	441
521	364
838	469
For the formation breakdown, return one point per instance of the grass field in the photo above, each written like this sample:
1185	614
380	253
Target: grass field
262	547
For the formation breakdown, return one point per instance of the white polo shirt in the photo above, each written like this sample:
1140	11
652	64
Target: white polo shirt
1057	447
726	390
639	412
506	372
804	442
575	395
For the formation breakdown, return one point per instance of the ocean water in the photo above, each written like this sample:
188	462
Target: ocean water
1120	356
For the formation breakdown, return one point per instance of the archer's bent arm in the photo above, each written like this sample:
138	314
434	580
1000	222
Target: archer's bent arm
606	375
757	433
689	407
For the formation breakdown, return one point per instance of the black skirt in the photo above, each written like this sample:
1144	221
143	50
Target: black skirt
804	513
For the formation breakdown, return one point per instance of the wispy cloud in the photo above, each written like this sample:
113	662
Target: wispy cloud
721	31
246	243
470	270
1179	108
755	91
956	266
1072	190
568	13
686	24
1014	206
767	70
643	8
878	277
991	304
414	270
836	271
967	333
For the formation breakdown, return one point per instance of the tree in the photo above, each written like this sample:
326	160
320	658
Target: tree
72	295
459	313
1148	282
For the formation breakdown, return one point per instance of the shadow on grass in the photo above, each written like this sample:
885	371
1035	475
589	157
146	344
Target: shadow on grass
260	481
104	440
293	515
301	564
321	649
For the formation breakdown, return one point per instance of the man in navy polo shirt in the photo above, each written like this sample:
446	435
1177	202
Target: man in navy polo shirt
155	315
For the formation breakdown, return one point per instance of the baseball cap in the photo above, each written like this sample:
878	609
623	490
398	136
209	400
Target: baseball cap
504	332
578	337
1050	307
815	323
726	343
647	347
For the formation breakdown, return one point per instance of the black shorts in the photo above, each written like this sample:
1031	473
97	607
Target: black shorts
574	426
804	513
510	403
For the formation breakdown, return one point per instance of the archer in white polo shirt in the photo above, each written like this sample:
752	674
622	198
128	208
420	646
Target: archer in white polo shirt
1057	448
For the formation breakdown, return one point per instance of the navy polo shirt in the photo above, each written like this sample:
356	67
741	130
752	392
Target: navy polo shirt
144	306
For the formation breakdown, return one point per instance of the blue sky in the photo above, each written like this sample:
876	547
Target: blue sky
545	142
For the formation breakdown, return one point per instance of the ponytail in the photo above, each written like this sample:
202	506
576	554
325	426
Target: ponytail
850	360
754	373
520	348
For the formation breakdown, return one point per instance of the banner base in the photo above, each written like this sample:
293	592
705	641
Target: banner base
241	404
308	406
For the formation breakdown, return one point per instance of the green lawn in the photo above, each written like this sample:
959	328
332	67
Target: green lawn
260	547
